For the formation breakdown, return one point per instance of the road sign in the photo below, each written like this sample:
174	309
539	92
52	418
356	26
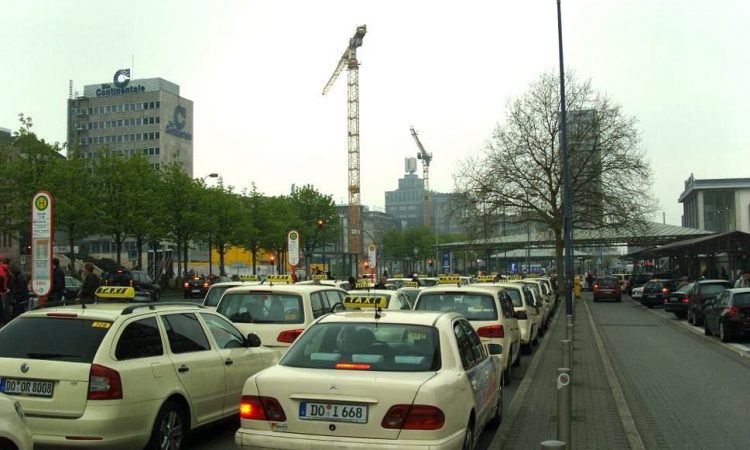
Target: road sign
293	247
372	252
42	237
563	380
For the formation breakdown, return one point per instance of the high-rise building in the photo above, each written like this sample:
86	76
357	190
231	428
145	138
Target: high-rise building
585	166
128	117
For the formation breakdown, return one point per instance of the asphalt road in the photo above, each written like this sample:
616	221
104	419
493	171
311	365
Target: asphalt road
684	389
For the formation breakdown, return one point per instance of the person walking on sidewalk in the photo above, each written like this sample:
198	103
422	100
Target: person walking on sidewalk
58	282
90	283
19	292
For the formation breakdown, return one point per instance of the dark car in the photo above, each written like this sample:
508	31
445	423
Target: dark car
196	287
703	290
72	287
656	291
607	288
677	301
138	279
728	315
638	280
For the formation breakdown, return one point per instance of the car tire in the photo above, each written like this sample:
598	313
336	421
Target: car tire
526	348
619	299
517	362
497	419
187	295
690	317
698	322
706	331
469	438
170	428
506	375
156	296
723	333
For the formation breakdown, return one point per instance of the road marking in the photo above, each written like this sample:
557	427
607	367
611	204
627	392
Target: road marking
628	423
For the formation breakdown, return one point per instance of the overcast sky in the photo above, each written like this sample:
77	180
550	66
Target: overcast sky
255	71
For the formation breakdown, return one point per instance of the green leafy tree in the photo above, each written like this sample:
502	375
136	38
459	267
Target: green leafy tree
281	218
226	211
317	218
255	223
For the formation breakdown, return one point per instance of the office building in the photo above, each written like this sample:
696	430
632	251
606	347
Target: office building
720	205
128	117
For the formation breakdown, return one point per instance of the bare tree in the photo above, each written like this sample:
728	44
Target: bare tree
519	170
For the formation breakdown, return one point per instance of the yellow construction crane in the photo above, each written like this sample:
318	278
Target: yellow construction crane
426	158
349	60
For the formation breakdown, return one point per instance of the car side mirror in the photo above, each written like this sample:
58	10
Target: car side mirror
252	340
495	349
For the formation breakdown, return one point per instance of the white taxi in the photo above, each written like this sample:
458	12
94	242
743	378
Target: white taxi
390	299
216	290
527	313
14	433
488	309
542	300
278	310
375	380
111	374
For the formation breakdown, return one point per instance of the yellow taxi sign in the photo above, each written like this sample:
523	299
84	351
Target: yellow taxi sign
116	292
365	301
248	277
398	275
322	276
363	284
485	279
410	284
449	279
280	279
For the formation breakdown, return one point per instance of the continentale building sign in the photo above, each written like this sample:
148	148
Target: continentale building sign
122	84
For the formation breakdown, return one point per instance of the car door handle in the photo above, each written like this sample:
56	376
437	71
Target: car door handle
183	368
228	362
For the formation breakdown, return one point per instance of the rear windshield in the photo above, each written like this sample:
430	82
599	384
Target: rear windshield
54	339
214	295
608	282
119	278
472	306
366	346
742	300
713	289
262	307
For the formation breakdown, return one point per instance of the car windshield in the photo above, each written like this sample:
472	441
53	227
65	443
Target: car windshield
214	295
62	339
366	346
470	305
515	297
262	307
742	300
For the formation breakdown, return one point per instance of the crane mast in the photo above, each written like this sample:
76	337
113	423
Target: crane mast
426	158
349	60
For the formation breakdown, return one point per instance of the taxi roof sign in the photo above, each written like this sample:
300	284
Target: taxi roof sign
116	292
365	301
449	279
410	284
280	279
248	277
485	279
363	284
321	276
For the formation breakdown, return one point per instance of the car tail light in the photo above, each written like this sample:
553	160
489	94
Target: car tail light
186	285
521	315
288	336
492	331
254	407
596	287
205	284
732	311
352	366
684	299
104	383
665	291
413	417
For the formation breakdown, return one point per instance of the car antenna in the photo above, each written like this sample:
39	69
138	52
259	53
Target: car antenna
377	313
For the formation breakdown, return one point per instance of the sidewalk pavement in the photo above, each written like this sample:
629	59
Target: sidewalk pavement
597	410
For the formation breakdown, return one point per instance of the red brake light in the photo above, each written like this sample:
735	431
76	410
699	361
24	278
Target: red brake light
492	331
414	417
185	285
732	311
665	290
352	366
253	407
596	286
104	383
205	284
684	299
288	336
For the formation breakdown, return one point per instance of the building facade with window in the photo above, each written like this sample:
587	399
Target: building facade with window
129	117
720	205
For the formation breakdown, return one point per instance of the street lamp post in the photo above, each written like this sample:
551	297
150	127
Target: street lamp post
210	236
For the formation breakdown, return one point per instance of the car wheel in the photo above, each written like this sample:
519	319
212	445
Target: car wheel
156	296
526	348
619	299
517	362
723	334
690	317
187	295
170	428
506	375
698	322
706	331
469	437
497	419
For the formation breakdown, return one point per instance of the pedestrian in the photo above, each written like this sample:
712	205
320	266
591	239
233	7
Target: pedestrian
415	278
90	284
57	293
385	273
19	292
744	280
352	283
381	284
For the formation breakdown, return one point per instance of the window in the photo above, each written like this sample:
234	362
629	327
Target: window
262	307
158	104
157	135
318	308
139	339
464	346
144	105
185	333
333	297
158	119
72	340
224	333
151	105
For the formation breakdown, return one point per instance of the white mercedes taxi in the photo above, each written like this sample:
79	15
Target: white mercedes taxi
216	290
278	310
390	299
542	300
111	374
489	311
375	379
14	433
526	313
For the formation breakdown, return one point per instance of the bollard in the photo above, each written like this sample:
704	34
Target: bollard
553	444
563	406
570	327
567	354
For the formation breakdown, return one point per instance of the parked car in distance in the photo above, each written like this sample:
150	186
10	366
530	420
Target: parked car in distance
607	288
636	293
137	279
655	291
728	315
195	287
677	301
703	290
638	280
